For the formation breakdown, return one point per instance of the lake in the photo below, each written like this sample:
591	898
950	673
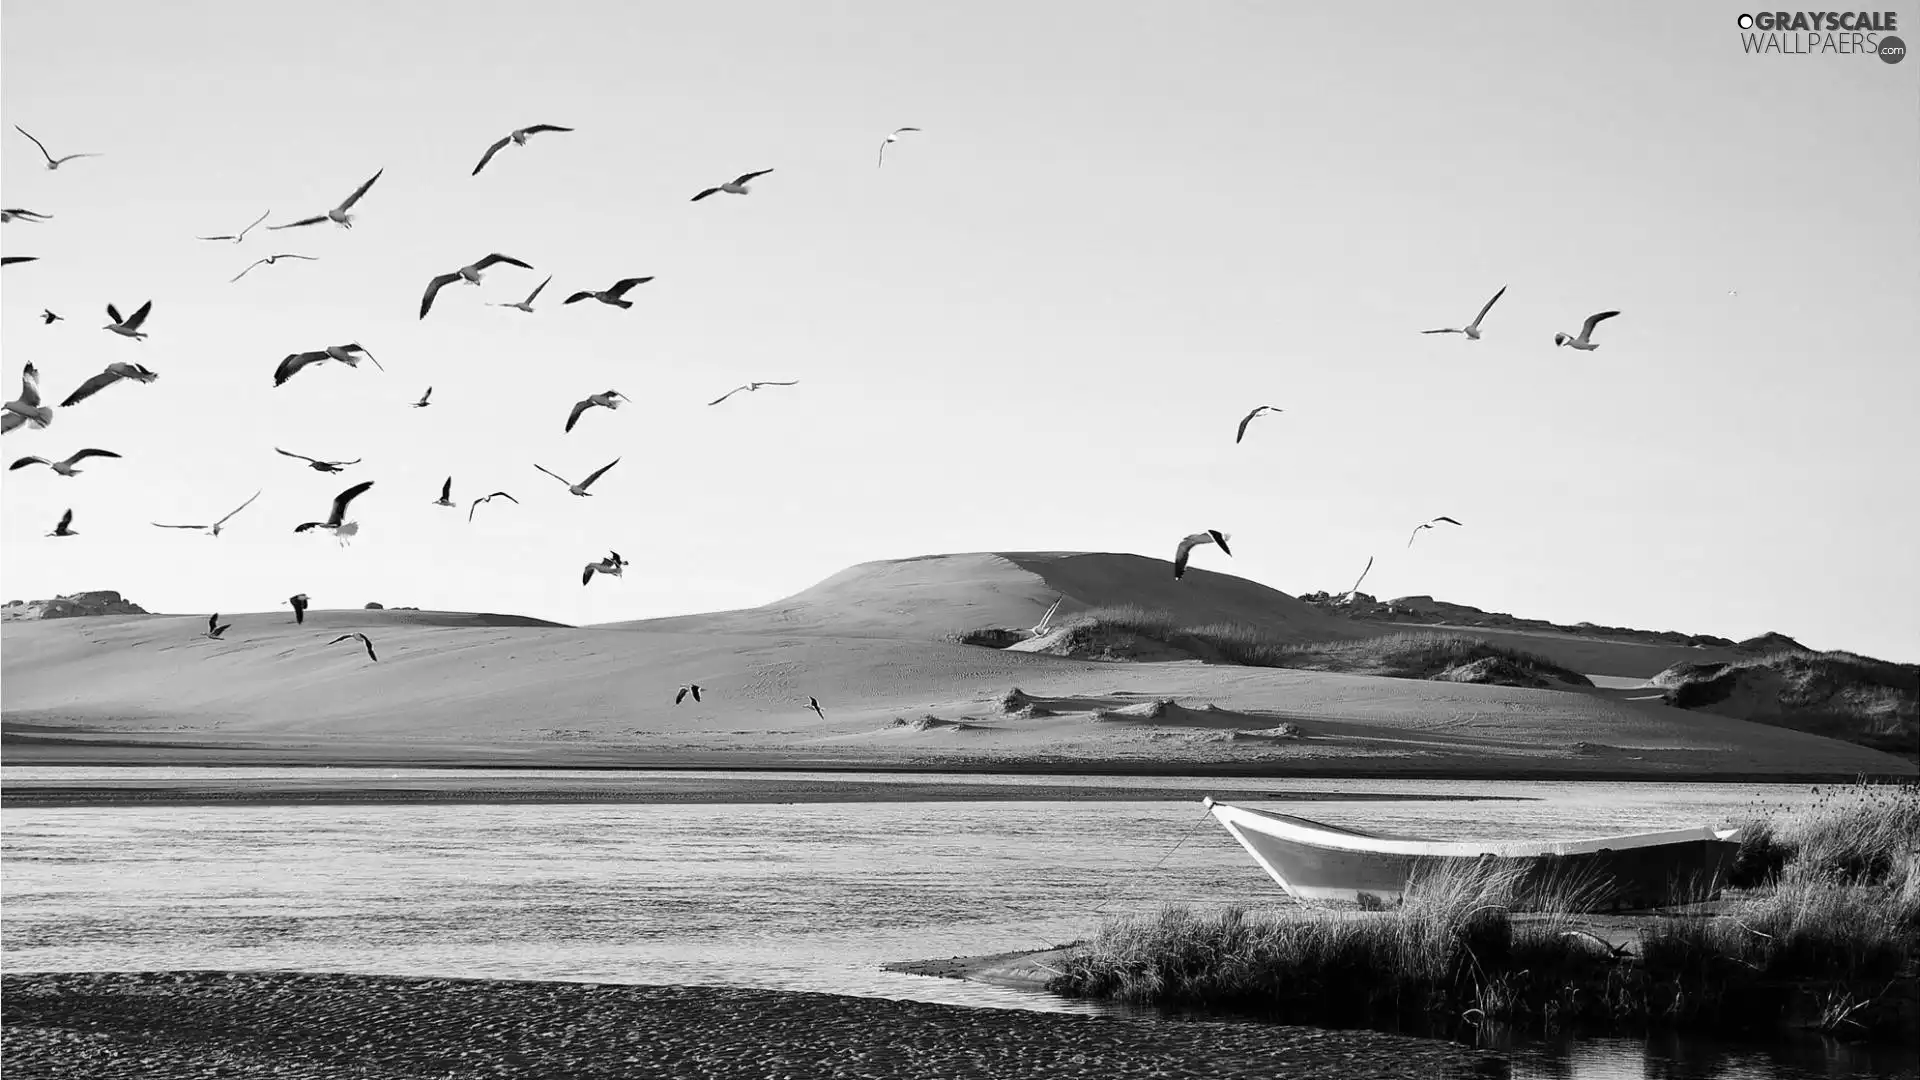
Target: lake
795	896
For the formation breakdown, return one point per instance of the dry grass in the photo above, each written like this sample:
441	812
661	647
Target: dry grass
1843	695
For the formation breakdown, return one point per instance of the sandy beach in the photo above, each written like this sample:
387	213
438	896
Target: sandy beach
158	1025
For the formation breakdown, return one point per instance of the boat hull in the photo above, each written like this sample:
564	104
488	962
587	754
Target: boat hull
1314	861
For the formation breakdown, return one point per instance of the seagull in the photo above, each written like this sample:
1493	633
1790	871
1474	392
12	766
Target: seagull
1187	544
489	498
469	273
47	316
738	186
342	529
1248	419
364	640
348	354
316	464
9	260
299	602
612	295
1586	332
690	688
214	628
518	138
128	327
1416	532
581	487
895	137
25	215
239	236
64	468
814	704
1041	626
609	398
1472	329
61	529
270	260
423	402
446	494
115	372
613	564
1363	576
527	304
213	529
52	162
338	215
26	409
750	386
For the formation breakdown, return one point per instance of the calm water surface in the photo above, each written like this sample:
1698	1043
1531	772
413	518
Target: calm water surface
812	896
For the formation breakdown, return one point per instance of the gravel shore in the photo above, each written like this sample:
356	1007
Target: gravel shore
109	1025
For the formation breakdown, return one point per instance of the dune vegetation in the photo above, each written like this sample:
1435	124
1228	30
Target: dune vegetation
1826	935
1119	632
1841	695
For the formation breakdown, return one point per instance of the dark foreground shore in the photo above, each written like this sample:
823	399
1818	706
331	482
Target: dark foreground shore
110	1025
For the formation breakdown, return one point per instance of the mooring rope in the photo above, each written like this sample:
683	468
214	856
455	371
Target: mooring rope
1163	858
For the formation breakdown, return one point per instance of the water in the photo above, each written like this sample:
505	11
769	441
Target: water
809	896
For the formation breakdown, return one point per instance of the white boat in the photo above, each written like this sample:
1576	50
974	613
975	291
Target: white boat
1315	861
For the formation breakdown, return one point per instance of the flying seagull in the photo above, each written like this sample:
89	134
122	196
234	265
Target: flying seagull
613	565
517	138
213	529
737	186
1586	331
363	639
894	137
62	529
609	398
128	327
9	260
115	372
316	464
336	522
338	215
64	468
423	402
581	487
348	354
1472	329
299	602
52	162
47	316
527	304
1362	577
24	215
612	295
469	273
814	704
690	688
1188	543
1416	531
214	627
750	386
489	498
26	409
446	494
1248	419
239	236
269	261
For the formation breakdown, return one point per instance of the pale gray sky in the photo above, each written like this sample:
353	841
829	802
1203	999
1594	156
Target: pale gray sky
1124	225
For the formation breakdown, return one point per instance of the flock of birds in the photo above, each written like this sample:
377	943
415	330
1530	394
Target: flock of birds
29	410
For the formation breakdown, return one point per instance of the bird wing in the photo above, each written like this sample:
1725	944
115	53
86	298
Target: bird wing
157	525
1448	520
1446	331
303	221
341	500
114	314
620	287
897	131
291	454
1416	532
239	508
588	482
368	642
726	395
681	696
586	575
339	639
1586	328
82	455
553	474
30	385
744	177
36	142
91	387
242	273
537	128
26	461
1244	421
213	621
703	194
577	296
491	150
1362	577
446	489
696	693
496	257
224	236
66	519
1186	546
359	191
578	408
291	366
536	290
502	494
1489	307
362	350
433	289
1221	539
256	221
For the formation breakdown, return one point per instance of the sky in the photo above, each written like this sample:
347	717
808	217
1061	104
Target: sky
1122	226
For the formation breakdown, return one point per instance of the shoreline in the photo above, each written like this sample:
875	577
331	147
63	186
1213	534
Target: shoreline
294	1024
